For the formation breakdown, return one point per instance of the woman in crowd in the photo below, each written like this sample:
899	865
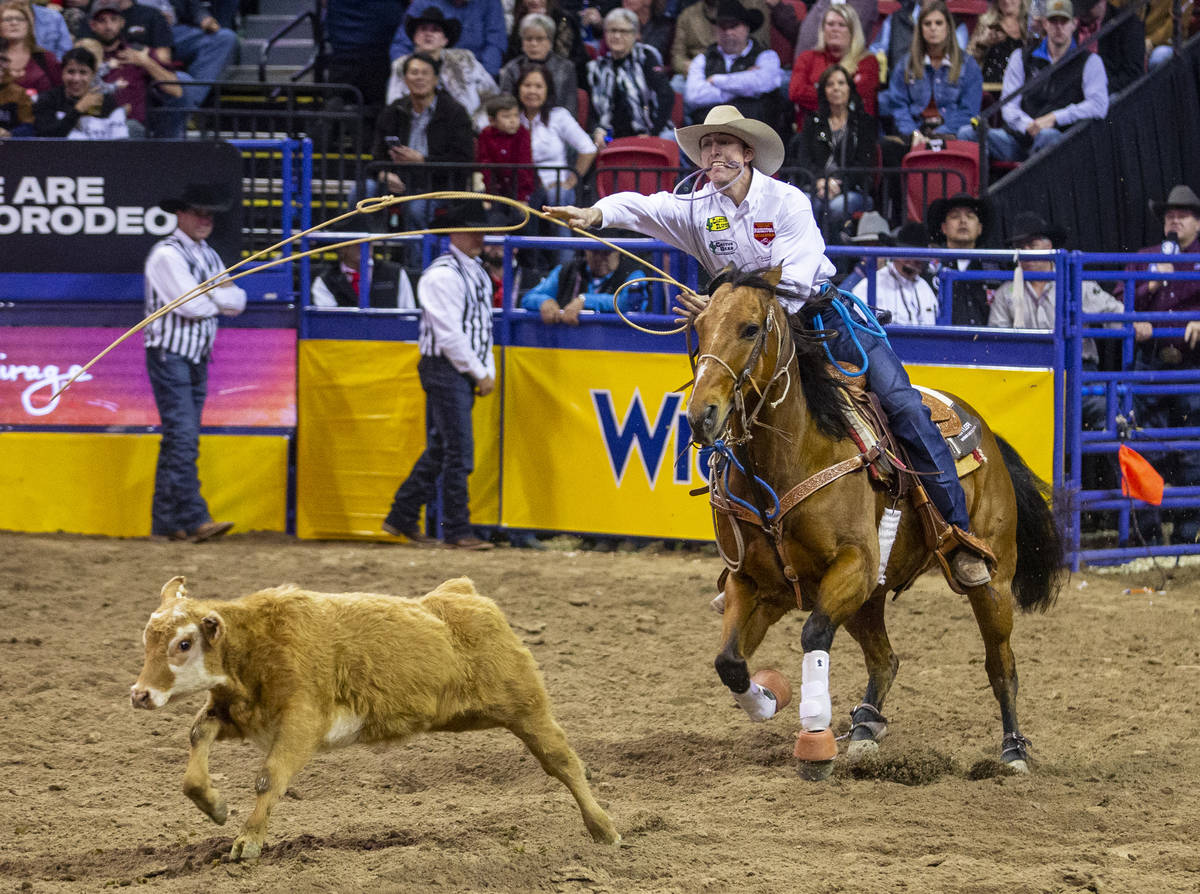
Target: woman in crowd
1002	29
537	32
839	135
630	93
79	108
31	67
938	89
841	43
565	37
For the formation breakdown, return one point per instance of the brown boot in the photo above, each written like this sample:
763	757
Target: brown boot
969	569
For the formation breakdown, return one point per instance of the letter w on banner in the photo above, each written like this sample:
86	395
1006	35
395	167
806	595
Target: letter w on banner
1138	478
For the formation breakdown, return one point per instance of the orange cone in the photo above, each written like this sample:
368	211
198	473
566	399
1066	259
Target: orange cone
1138	478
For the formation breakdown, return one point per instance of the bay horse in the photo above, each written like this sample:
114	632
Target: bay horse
770	403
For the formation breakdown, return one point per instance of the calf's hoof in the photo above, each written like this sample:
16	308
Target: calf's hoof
214	808
605	834
245	848
816	752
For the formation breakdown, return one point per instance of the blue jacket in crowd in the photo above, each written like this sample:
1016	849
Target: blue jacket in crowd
958	102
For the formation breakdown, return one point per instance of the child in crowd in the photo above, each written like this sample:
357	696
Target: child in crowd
505	141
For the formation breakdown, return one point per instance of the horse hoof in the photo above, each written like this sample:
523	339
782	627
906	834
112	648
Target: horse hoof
815	771
1018	766
816	752
862	750
776	684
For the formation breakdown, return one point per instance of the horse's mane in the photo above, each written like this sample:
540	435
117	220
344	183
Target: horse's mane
821	390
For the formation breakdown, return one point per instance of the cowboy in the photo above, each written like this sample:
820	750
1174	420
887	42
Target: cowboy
1180	215
960	222
178	347
483	30
735	69
746	219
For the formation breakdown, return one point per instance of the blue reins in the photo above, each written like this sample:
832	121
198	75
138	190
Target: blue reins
722	449
870	325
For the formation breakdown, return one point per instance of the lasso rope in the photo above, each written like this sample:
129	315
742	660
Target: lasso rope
371	206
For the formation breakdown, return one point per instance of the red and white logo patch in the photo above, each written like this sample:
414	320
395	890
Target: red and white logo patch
764	231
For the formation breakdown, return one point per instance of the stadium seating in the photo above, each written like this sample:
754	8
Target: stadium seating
636	164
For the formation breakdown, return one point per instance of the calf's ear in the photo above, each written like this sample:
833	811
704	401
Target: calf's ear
213	627
174	589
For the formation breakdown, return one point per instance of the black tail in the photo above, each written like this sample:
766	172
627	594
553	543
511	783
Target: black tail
1041	565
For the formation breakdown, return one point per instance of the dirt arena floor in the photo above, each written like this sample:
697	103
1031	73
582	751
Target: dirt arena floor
90	792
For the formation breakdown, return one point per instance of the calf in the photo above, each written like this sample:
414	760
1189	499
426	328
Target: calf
298	672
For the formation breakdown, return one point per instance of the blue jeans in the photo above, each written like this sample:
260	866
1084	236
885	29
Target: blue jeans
1003	146
908	417
204	56
449	452
179	388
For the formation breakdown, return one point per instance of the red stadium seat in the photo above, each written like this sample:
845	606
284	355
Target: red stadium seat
930	175
629	154
585	104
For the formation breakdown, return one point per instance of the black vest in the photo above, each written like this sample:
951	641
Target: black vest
1063	88
760	107
385	285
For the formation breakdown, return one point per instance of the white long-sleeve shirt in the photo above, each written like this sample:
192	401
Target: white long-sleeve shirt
763	77
456	314
773	226
911	301
176	265
1095	93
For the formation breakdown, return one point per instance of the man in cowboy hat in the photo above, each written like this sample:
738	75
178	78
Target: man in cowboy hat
746	219
1180	214
694	32
960	222
178	346
455	339
900	286
482	29
735	69
462	76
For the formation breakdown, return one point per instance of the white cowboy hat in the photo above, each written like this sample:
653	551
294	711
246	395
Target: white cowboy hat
767	146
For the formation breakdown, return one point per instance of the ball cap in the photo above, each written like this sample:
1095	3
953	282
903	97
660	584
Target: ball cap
1060	9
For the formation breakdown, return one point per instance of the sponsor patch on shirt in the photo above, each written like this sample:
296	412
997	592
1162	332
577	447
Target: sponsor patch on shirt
722	246
716	224
764	231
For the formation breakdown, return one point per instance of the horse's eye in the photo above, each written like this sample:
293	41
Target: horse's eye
750	330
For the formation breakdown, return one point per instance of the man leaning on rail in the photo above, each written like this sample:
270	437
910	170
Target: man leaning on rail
745	218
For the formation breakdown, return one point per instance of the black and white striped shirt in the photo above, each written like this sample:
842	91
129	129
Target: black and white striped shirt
176	265
455	294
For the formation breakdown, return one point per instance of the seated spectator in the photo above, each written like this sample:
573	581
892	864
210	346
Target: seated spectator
137	74
938	89
506	142
31	67
461	74
338	282
1160	28
200	45
587	282
360	36
553	131
1181	227
900	287
16	111
960	223
837	136
1074	93
426	125
1000	31
813	26
694	32
655	29
81	108
565	37
894	40
537	39
1122	50
483	30
871	230
630	92
736	69
50	30
841	43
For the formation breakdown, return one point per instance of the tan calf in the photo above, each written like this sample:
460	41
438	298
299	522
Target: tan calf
298	672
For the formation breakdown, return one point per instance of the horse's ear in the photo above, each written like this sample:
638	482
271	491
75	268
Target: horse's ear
724	275
773	275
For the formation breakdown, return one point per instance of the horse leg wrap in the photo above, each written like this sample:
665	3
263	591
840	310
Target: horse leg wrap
816	710
758	703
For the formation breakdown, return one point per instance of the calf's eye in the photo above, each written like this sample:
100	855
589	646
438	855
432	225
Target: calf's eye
184	645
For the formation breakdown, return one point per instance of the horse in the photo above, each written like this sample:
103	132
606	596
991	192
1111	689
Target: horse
768	400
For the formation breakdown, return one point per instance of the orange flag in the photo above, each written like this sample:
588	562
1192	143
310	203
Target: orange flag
1138	478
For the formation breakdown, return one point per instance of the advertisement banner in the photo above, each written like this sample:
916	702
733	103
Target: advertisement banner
91	206
598	441
251	378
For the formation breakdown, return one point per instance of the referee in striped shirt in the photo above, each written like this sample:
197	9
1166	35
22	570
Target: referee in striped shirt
455	294
178	346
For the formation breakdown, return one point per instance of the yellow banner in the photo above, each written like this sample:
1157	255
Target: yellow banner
361	427
104	483
597	441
